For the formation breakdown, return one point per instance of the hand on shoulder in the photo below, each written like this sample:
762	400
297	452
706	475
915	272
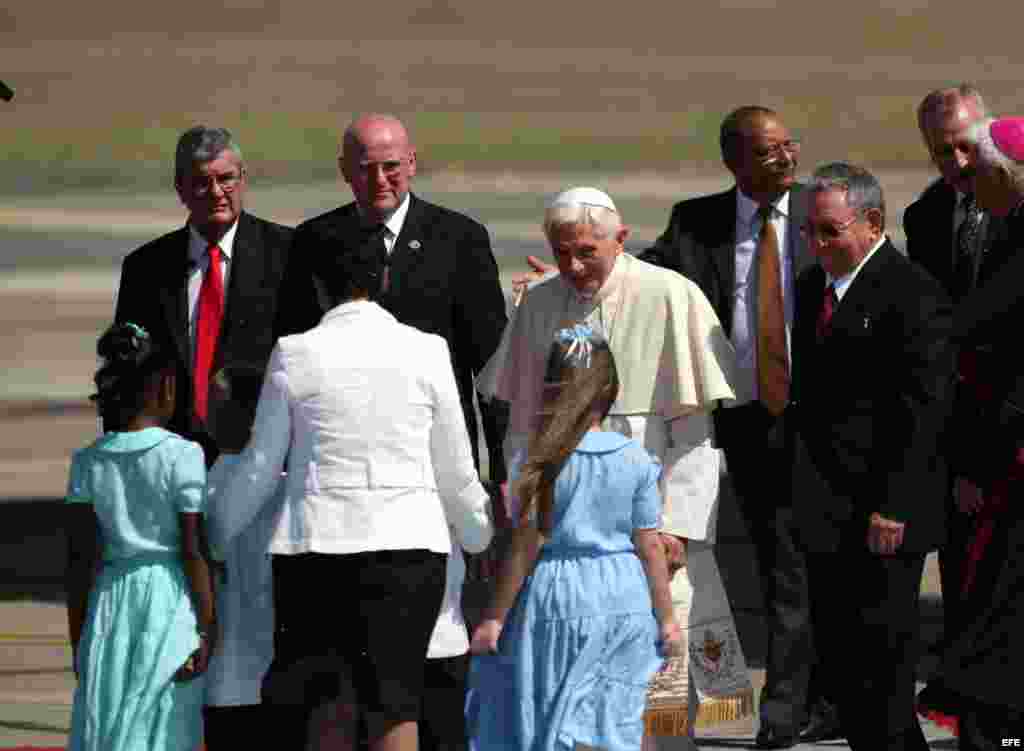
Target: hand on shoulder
538	270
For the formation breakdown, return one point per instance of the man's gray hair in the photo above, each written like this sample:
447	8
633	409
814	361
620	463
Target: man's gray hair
202	144
605	222
862	190
980	135
945	100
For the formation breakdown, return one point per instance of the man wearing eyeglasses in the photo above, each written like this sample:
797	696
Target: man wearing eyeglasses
940	225
209	292
743	247
871	395
209	289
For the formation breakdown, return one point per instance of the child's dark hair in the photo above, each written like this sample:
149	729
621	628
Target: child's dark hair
130	356
581	383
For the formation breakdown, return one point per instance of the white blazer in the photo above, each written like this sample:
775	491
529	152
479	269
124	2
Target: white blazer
367	413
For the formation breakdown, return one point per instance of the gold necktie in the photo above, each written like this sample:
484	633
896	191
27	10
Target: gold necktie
772	361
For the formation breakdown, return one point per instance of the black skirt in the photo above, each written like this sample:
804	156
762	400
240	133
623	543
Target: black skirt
357	623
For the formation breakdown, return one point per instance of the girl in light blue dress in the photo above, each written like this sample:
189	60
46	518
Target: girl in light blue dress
582	616
141	614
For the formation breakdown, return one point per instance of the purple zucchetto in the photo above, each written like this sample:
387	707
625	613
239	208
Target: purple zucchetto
1008	136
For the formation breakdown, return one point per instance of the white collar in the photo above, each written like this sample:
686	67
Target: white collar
396	221
352	308
747	208
843	283
199	245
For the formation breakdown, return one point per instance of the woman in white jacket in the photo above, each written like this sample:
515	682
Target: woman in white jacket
366	415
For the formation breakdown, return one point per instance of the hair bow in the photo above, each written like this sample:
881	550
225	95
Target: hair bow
139	334
578	338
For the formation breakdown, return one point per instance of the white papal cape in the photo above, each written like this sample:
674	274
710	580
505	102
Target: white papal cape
675	364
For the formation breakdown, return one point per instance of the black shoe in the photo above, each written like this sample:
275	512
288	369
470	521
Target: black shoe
770	736
822	725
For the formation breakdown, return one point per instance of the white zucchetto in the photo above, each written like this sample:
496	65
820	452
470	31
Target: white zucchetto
585	196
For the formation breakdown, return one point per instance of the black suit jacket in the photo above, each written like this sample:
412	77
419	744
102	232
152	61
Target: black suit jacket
928	224
443	280
700	243
869	404
153	295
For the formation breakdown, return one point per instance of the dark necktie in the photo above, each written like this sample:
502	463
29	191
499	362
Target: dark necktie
966	246
209	313
828	308
376	235
772	359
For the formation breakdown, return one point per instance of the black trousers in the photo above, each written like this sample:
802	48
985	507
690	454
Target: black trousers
759	471
988	728
230	728
866	625
952	562
442	725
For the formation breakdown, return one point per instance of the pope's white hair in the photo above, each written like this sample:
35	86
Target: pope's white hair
605	222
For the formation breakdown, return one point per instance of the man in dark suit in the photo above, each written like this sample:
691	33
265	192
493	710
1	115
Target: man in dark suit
442	279
717	241
871	395
162	284
442	276
949	235
934	223
209	292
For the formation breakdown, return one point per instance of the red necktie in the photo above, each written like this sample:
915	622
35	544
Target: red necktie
209	312
828	307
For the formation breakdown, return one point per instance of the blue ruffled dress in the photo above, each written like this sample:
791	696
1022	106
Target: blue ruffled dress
140	625
580	645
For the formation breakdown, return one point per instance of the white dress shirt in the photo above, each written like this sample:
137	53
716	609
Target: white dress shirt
393	226
199	262
744	317
395	223
367	412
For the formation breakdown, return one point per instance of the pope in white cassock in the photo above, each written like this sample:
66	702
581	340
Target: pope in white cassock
675	364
